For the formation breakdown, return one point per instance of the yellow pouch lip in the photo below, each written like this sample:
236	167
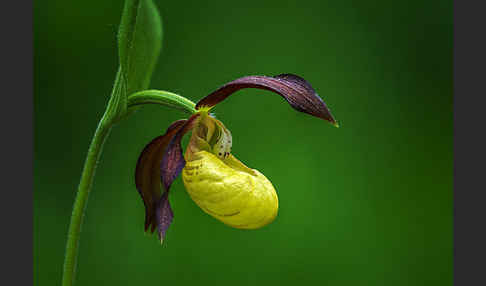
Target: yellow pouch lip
230	191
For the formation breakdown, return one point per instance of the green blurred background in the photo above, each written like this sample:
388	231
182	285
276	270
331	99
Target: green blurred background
369	203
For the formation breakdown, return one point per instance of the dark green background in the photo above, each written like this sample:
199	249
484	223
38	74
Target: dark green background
369	203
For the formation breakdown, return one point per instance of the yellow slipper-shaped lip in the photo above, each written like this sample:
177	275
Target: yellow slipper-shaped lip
229	191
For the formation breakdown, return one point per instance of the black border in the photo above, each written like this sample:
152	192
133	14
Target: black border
17	134
469	143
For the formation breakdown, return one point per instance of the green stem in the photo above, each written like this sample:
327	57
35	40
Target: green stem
81	201
162	97
112	114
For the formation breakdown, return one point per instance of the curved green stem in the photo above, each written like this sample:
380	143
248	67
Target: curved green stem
109	118
162	97
81	200
139	43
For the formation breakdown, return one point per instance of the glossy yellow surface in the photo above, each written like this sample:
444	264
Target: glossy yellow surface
229	191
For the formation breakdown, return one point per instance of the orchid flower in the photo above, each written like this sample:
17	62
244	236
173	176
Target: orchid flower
217	181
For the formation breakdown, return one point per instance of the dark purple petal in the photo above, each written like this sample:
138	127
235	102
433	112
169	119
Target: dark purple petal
164	215
173	161
296	90
147	175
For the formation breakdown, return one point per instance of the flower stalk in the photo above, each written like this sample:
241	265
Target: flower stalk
81	201
139	44
94	152
162	97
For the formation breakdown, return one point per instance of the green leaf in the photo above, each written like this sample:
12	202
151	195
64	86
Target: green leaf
139	43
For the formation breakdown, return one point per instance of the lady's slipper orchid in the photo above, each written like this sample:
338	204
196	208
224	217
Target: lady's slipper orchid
217	182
